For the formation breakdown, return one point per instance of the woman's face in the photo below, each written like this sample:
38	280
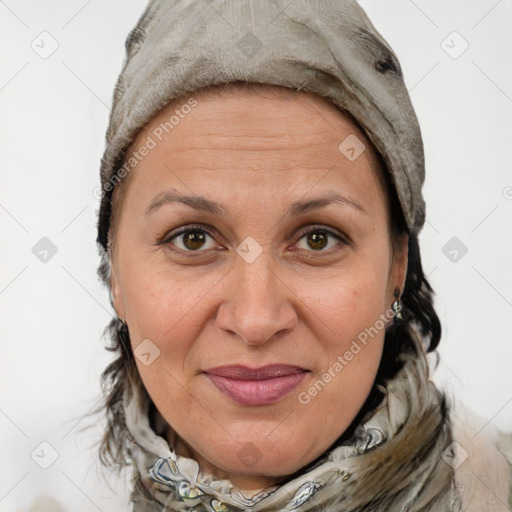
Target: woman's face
292	265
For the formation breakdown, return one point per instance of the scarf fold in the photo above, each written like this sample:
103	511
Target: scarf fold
392	463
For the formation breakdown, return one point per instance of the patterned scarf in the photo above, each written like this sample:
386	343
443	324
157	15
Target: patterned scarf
392	463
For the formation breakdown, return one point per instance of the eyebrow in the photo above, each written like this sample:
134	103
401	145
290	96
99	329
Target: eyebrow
207	205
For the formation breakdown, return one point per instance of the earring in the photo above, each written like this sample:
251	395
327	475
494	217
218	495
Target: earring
397	307
123	321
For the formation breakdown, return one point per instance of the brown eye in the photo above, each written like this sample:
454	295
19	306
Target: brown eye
191	239
318	239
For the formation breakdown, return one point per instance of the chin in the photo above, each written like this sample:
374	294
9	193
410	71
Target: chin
260	456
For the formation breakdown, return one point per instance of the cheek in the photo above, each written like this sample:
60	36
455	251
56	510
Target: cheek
167	308
347	311
349	301
168	311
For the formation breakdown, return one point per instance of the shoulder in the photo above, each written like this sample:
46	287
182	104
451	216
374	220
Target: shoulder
481	456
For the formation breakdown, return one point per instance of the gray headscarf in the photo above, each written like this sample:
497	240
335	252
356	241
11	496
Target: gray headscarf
328	47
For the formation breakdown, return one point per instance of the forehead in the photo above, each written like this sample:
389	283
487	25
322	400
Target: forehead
255	110
260	136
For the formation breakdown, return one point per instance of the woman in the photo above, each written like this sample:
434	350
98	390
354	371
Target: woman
259	236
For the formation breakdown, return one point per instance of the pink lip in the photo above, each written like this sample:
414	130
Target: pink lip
256	386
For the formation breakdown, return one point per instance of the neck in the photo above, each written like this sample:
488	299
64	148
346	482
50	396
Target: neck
250	485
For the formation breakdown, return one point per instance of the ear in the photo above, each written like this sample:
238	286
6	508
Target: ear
116	293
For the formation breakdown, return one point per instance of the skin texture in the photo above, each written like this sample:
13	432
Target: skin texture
301	301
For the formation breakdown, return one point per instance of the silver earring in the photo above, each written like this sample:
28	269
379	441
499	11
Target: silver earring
123	321
397	307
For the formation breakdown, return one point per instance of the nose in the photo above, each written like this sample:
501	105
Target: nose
258	304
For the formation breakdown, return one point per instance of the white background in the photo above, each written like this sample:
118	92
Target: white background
53	117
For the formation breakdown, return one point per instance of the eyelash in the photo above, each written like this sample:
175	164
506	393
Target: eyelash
302	234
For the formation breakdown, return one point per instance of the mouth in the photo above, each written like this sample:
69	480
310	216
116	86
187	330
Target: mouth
256	386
